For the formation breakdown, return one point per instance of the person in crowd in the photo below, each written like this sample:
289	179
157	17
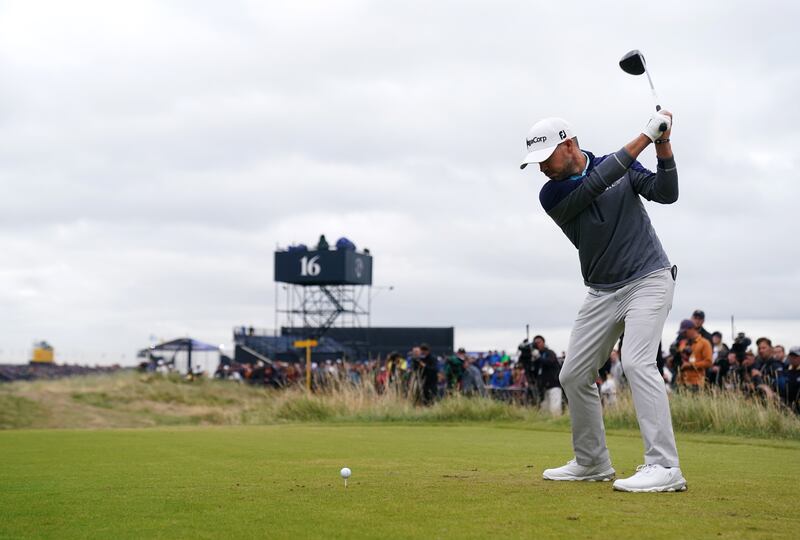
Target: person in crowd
749	376
779	354
608	391
381	379
412	383
602	373
731	379
771	369
519	384
273	378
695	351
547	370
526	360
518	380
292	372
236	375
258	373
441	384
353	371
427	369
791	393
663	365
481	361
716	374
487	371
699	319
454	369
616	370
501	378
666	371
397	366
472	382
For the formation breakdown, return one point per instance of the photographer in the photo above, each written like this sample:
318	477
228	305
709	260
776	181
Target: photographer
526	359
695	356
740	345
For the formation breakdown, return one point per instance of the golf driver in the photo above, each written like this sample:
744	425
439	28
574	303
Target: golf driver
633	63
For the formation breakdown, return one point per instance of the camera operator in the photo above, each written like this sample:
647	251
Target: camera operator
740	345
695	356
526	359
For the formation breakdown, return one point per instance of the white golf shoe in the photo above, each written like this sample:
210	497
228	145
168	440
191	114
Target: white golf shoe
652	478
573	472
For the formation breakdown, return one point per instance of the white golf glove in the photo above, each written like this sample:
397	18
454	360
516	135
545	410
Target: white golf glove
653	129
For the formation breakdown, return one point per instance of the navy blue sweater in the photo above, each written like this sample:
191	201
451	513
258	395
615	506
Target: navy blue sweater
603	216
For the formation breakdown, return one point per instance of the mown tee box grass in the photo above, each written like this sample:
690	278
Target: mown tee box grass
425	481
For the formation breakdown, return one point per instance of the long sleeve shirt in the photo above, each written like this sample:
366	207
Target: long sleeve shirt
602	214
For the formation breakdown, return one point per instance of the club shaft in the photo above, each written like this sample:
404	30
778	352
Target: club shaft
652	88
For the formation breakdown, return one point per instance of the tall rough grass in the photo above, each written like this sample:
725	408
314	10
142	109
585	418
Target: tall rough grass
727	413
132	400
362	404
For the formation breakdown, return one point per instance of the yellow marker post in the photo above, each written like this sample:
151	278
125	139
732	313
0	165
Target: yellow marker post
308	344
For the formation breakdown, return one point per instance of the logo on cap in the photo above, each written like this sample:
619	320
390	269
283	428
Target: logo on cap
562	134
536	140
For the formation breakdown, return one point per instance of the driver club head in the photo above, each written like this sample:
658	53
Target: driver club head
632	62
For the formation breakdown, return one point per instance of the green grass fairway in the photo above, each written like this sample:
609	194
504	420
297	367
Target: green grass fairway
429	481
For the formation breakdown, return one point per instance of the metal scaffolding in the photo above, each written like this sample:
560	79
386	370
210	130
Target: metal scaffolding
320	307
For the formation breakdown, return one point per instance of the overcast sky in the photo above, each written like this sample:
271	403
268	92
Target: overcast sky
154	154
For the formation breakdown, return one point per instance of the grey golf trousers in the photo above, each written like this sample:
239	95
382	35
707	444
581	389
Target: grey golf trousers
639	309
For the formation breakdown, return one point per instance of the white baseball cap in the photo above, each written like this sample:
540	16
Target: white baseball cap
543	138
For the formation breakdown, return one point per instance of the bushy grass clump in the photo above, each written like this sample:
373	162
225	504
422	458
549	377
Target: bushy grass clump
306	408
18	411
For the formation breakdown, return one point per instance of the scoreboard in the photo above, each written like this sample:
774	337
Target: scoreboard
327	267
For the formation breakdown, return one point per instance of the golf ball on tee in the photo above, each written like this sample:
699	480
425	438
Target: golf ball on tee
345	472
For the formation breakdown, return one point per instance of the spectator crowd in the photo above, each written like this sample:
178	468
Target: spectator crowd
697	360
33	371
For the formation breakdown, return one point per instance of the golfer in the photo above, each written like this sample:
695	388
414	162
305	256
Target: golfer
596	200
